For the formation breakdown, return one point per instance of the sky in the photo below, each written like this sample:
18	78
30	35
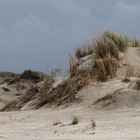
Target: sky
40	34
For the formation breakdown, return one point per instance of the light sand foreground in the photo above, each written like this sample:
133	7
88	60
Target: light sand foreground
119	124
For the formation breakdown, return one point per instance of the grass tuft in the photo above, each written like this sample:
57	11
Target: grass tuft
75	120
84	51
110	43
106	68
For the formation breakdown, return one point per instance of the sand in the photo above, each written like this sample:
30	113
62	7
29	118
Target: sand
38	125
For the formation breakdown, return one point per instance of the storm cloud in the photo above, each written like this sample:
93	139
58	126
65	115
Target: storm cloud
39	34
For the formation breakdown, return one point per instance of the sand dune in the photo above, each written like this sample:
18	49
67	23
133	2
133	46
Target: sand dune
103	110
115	122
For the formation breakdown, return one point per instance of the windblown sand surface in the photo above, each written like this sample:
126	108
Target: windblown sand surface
133	57
38	125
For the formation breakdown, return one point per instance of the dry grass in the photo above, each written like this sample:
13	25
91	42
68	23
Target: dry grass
73	63
84	51
106	51
106	68
46	94
35	92
65	92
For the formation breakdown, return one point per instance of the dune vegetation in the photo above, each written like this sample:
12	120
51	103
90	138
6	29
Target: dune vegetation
98	61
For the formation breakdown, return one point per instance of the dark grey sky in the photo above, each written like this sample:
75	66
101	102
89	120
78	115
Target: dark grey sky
39	34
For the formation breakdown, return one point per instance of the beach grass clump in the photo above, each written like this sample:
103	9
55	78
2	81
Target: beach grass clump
84	51
106	68
107	50
107	45
110	43
75	120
